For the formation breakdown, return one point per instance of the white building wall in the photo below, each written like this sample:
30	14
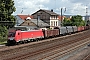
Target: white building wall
53	22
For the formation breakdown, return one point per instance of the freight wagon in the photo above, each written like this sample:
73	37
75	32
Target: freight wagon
51	33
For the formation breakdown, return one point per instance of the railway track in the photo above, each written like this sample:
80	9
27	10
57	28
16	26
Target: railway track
81	54
52	49
3	46
53	55
87	57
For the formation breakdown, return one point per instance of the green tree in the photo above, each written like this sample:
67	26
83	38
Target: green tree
74	21
6	9
3	31
77	21
67	22
7	20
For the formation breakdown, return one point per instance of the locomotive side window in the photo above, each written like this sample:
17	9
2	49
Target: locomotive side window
18	33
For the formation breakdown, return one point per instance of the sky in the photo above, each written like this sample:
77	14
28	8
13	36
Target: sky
73	7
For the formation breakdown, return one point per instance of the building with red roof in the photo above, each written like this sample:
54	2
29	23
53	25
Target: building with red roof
27	20
40	18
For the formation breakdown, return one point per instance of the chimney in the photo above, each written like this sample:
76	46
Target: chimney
51	10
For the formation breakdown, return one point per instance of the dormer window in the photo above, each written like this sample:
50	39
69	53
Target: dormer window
28	18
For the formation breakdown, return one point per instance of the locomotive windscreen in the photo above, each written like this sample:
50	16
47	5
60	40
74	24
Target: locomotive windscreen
11	34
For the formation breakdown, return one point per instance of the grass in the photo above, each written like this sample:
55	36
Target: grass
2	43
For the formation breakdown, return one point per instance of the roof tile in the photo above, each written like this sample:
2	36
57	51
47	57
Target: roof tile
23	17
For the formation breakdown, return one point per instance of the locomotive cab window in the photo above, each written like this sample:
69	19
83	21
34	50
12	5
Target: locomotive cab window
11	34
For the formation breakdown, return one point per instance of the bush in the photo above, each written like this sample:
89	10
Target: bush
3	33
3	40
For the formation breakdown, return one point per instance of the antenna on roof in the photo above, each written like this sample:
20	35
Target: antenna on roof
22	11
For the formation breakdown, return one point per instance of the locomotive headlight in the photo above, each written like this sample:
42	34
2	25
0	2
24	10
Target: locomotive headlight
11	38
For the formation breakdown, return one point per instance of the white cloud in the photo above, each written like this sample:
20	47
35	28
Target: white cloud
80	1
64	0
73	7
29	6
79	9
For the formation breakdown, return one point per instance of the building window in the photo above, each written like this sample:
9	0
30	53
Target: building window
56	23
28	23
51	23
55	17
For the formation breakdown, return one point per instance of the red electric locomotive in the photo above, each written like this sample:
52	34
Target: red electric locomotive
15	36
